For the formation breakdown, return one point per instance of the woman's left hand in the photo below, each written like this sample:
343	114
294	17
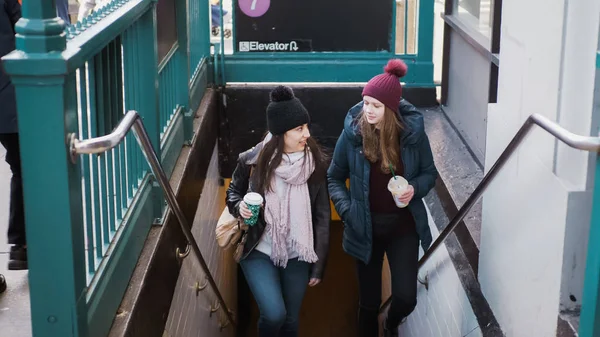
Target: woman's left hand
314	281
407	196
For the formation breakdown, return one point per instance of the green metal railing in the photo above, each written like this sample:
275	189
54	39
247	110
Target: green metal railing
590	307
199	43
107	83
87	223
170	78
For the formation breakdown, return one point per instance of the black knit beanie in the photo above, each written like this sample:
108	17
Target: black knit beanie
285	111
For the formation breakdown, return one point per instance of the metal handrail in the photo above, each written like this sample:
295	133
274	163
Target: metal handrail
591	144
104	143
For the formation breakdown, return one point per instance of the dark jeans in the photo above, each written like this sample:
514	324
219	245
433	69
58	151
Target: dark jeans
62	11
16	217
402	251
278	292
216	18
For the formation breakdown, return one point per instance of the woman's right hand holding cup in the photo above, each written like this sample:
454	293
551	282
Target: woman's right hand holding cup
251	205
245	211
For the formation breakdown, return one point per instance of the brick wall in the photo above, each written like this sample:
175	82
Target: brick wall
443	310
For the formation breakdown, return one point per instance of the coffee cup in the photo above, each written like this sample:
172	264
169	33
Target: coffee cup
253	201
397	186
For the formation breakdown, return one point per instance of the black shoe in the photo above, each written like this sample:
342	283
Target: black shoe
2	284
17	258
389	332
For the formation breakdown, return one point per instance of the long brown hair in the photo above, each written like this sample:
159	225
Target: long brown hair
265	167
382	143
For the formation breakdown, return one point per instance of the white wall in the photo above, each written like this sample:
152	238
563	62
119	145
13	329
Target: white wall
536	215
468	89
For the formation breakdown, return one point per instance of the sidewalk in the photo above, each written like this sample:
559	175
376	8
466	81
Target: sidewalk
15	315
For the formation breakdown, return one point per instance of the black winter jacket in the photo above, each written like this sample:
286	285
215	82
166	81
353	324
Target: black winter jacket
349	161
10	13
319	200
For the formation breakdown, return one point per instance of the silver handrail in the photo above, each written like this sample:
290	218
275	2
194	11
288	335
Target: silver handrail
591	144
104	143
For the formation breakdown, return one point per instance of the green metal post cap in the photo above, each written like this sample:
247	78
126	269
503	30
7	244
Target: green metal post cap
41	35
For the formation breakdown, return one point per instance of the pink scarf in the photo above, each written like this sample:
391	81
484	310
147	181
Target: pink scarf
290	215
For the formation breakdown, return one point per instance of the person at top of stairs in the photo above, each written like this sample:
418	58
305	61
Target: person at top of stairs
87	6
385	152
287	242
62	10
10	13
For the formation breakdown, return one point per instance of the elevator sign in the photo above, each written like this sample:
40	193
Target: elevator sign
274	46
292	26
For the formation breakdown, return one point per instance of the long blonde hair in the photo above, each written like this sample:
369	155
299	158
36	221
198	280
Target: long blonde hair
382	143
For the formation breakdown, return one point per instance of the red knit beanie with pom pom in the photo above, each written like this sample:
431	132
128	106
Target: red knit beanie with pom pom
386	87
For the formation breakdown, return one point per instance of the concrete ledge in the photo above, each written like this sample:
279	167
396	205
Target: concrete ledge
459	171
459	174
568	325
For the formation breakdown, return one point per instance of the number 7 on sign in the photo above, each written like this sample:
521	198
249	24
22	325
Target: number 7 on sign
252	8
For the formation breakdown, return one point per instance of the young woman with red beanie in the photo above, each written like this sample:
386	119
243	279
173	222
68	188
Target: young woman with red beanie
383	137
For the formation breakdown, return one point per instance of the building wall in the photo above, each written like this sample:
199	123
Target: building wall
536	215
466	107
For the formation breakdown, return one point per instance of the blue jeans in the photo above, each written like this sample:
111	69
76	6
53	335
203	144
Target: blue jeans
278	292
62	10
215	12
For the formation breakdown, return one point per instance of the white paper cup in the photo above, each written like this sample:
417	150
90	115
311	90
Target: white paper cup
253	201
397	185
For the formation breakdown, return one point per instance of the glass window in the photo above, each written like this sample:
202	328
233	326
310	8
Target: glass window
477	13
407	29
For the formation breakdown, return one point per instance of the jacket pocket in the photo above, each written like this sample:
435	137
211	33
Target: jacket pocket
354	245
352	221
419	213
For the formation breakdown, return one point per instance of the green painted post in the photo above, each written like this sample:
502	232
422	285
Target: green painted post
147	67
590	307
39	16
47	103
199	45
424	78
205	31
183	74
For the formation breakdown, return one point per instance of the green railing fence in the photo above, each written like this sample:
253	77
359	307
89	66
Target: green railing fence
590	307
86	223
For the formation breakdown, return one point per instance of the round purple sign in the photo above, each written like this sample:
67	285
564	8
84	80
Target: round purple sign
254	8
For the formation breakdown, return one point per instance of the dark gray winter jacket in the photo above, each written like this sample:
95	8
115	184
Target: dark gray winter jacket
10	13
